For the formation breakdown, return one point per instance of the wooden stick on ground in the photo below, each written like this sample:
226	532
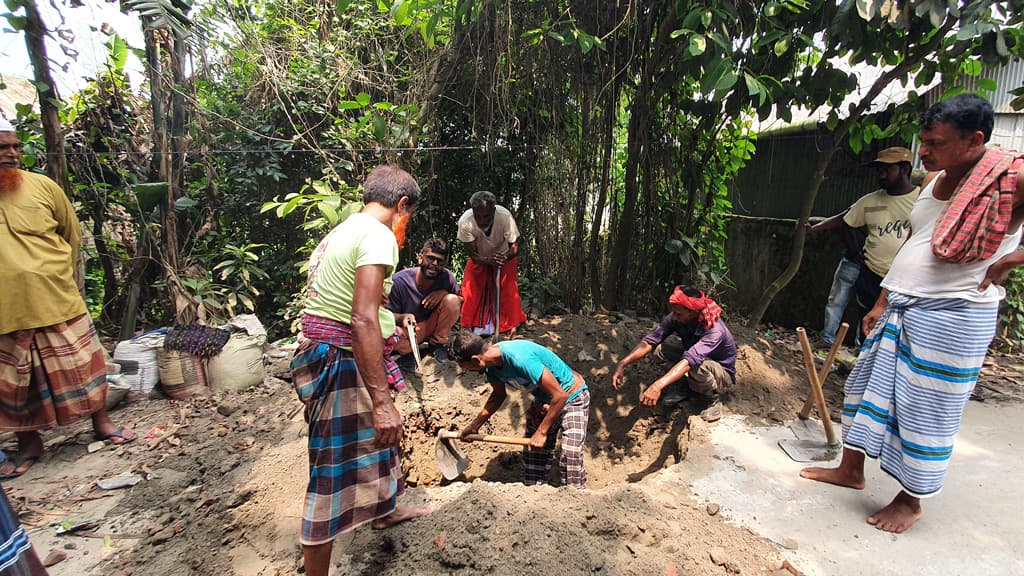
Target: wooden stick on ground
816	391
825	369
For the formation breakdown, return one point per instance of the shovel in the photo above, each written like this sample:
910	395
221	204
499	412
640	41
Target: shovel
450	459
410	329
805	449
497	303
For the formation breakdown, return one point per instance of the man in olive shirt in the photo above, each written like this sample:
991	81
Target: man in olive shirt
52	367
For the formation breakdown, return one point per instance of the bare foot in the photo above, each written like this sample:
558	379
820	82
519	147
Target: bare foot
401	514
899	515
837	476
30	449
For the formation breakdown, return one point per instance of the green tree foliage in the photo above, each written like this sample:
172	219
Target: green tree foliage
610	129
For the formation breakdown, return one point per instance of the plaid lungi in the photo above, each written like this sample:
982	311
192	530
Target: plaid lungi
573	424
906	395
351	481
51	376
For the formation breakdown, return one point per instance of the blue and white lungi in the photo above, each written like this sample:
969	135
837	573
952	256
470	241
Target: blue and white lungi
906	395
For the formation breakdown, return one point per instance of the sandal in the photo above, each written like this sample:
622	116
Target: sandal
117	437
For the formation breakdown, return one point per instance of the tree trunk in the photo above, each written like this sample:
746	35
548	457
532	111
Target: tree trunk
35	43
594	252
639	127
575	295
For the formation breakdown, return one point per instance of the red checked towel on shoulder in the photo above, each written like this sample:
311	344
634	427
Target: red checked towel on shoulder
973	224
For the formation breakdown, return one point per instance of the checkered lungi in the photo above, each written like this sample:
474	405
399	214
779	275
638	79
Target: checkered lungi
51	376
573	423
351	481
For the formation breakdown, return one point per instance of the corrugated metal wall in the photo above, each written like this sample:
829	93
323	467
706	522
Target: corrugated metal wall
773	181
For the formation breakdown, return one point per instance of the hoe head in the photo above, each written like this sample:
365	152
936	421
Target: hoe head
450	459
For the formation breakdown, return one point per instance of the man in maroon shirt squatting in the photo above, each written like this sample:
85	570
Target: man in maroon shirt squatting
431	295
704	359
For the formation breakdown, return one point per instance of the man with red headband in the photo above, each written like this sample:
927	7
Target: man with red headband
705	360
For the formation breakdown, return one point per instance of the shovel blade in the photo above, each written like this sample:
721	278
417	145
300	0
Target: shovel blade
450	459
809	450
811	429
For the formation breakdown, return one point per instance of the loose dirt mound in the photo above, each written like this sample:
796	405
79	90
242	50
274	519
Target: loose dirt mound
224	477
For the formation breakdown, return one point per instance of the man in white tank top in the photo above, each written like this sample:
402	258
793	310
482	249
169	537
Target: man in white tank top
905	397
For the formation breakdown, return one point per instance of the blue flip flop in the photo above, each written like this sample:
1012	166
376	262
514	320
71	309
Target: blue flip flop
119	433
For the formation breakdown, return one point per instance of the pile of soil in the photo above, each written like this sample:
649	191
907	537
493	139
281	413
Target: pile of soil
223	476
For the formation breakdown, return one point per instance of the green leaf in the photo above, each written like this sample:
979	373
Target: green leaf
349	105
673	246
380	127
987	84
340	6
363	99
586	41
713	74
772	9
698	44
832	121
1001	48
184	203
400	12
117	53
149	195
17	22
782	46
705	18
680	32
727	81
41	87
329	213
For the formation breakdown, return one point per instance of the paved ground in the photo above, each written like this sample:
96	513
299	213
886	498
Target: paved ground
973	527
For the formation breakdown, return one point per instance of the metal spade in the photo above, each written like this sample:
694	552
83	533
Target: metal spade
410	329
450	459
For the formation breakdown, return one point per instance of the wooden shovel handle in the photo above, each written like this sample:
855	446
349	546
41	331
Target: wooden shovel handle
816	391
487	438
825	369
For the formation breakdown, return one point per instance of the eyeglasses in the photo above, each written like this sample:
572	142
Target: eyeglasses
429	259
13	147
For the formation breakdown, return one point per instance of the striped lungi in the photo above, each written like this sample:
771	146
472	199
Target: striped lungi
915	373
51	376
351	481
17	556
573	424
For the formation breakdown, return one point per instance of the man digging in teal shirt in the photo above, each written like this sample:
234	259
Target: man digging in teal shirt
561	400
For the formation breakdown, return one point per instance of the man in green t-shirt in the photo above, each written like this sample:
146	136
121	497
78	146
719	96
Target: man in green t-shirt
343	373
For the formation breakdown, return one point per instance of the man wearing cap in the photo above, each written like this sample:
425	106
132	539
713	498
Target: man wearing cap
704	359
885	213
52	367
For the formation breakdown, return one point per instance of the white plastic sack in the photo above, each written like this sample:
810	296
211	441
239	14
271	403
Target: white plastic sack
142	351
239	364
